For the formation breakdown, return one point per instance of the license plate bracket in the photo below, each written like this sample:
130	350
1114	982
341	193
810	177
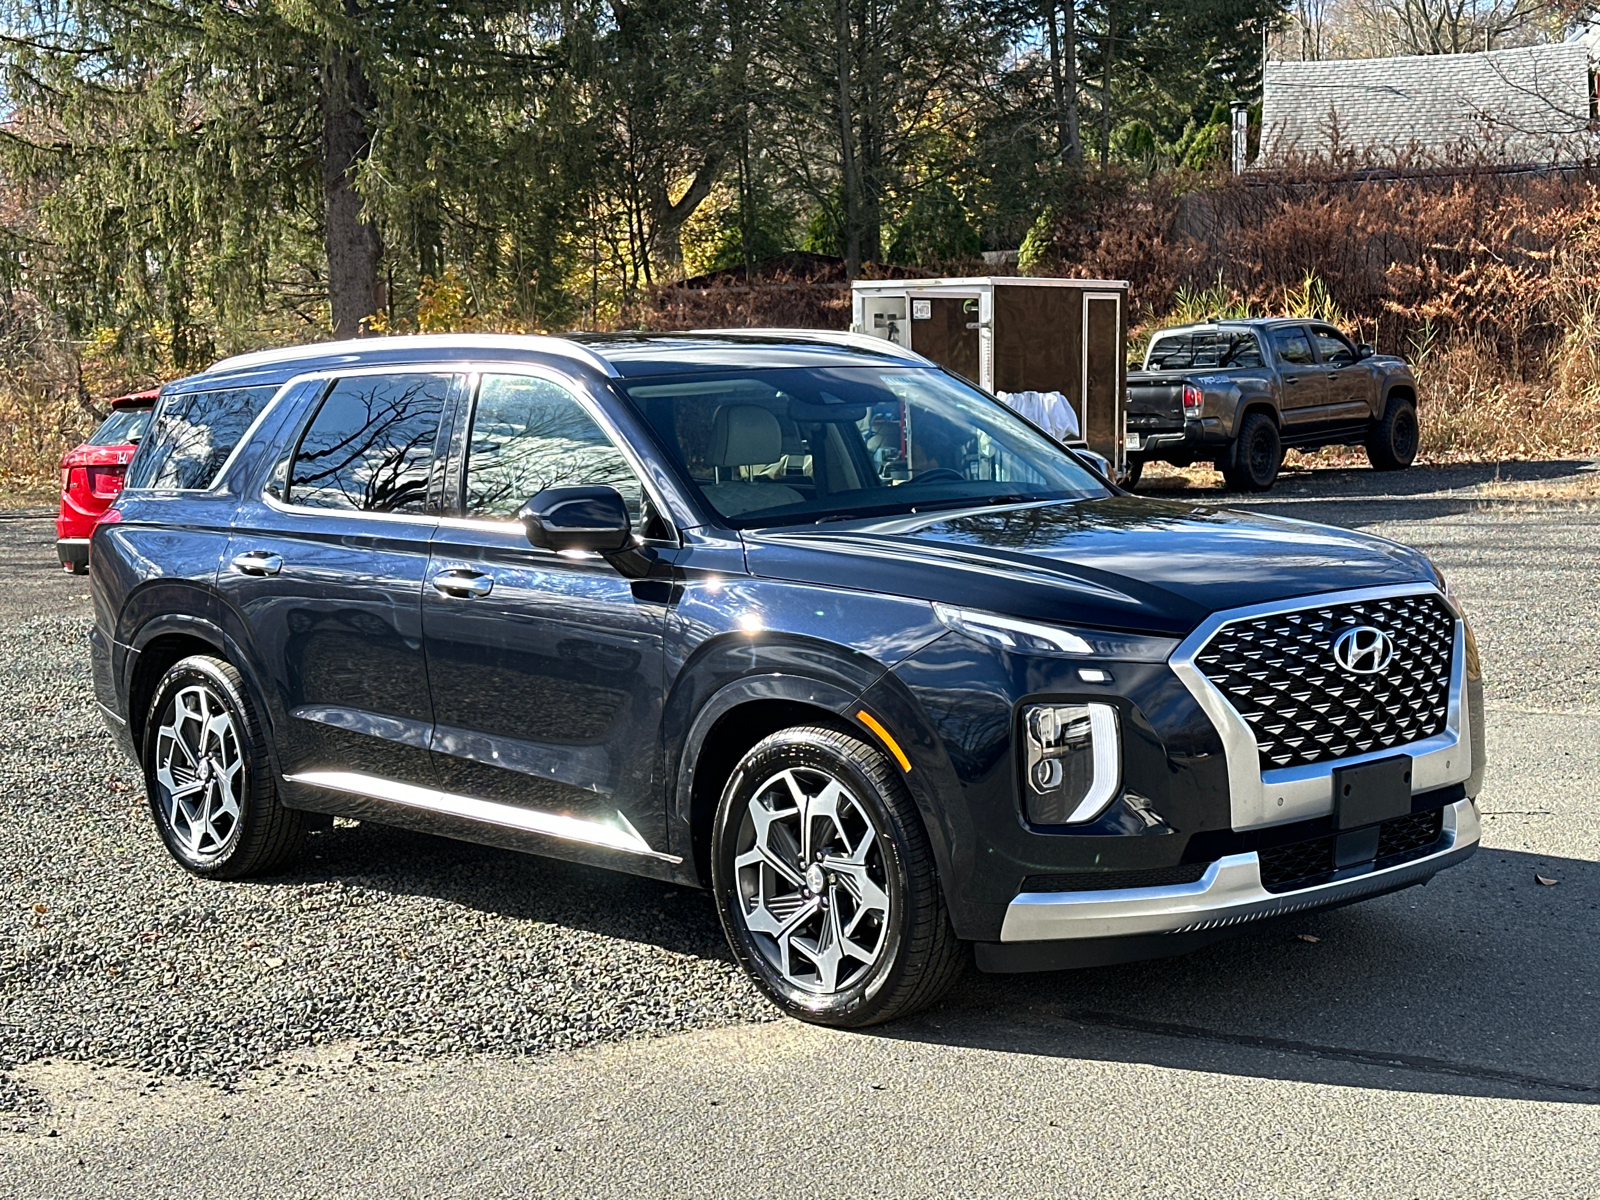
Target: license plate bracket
1372	792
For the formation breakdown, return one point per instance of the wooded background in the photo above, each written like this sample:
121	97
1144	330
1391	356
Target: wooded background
181	179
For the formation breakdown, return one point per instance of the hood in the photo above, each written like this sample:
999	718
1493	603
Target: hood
1122	562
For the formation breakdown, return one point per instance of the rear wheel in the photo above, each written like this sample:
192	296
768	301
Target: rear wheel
1393	441
208	779
826	884
1257	455
1130	477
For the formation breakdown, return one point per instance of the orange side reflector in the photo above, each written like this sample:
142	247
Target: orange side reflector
867	719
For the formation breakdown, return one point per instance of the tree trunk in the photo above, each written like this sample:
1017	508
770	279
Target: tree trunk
847	152
1069	54
352	239
1064	81
1105	83
667	219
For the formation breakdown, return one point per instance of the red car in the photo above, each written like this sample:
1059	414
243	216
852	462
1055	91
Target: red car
91	476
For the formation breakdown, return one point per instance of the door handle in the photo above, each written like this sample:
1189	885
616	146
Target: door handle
1290	379
462	583
1333	375
257	562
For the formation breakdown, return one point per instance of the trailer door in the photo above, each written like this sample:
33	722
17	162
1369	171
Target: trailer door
1102	396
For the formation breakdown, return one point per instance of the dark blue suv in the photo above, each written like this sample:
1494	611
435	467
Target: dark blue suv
798	617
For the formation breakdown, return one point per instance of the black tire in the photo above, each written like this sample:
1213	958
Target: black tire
1393	440
1257	455
216	764
1131	475
916	954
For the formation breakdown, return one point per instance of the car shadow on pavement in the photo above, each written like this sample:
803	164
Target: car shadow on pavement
1484	983
518	886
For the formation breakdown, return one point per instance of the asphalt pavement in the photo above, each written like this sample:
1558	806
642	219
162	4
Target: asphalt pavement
568	1034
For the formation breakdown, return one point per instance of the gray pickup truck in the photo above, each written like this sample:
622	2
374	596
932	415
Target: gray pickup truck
1237	393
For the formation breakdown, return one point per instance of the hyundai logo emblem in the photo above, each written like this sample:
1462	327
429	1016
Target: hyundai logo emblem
1363	650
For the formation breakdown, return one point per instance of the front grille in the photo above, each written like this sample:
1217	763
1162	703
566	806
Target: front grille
1284	868
1104	881
1280	675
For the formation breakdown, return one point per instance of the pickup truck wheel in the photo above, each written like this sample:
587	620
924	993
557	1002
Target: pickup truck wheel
208	778
826	884
1256	457
1130	477
1392	443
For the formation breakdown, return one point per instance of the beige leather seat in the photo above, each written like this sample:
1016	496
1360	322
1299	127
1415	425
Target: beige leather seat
746	435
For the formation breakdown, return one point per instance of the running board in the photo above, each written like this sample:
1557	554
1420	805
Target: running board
621	836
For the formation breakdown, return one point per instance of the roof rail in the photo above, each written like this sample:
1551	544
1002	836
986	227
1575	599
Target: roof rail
465	341
837	337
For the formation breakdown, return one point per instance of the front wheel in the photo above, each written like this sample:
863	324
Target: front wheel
1393	440
826	884
1257	455
208	778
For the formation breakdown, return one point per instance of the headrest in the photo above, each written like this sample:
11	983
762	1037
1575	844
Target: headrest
744	435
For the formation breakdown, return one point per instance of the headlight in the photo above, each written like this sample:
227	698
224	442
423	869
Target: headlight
1073	762
1061	641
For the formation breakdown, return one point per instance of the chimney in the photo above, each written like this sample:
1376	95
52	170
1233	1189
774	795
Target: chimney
1241	135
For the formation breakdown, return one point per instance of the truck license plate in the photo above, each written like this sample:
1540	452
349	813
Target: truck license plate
1135	442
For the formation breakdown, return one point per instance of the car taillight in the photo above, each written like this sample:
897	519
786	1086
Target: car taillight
1193	400
106	481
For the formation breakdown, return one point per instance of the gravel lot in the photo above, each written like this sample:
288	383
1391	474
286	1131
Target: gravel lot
388	945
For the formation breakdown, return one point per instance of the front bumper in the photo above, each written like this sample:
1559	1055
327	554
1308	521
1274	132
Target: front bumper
1229	894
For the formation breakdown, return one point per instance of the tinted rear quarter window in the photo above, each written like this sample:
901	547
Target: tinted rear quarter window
192	434
370	447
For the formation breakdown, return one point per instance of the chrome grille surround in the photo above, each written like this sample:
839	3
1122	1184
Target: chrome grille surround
1278	670
1261	794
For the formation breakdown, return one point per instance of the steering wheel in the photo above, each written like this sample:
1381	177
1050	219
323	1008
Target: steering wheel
940	472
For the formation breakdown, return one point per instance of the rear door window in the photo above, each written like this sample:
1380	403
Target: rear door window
370	448
1292	346
192	434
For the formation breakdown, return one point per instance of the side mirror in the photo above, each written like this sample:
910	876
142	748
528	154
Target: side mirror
1098	463
1364	351
577	518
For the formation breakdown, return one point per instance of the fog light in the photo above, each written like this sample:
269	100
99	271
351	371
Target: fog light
1074	762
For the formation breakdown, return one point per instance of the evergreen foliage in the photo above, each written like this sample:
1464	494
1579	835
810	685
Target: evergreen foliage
191	177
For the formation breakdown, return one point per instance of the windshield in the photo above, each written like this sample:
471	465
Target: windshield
801	444
123	425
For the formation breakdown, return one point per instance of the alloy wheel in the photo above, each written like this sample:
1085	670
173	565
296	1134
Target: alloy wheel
812	881
200	772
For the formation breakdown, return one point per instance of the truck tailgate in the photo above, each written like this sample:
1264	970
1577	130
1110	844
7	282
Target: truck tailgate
1155	399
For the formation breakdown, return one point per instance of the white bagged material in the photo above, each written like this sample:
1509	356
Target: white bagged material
1050	411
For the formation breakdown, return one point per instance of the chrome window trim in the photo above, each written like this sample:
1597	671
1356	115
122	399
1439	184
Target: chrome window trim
1229	893
1259	799
621	836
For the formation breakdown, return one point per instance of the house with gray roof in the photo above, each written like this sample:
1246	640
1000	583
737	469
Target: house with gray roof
1532	105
